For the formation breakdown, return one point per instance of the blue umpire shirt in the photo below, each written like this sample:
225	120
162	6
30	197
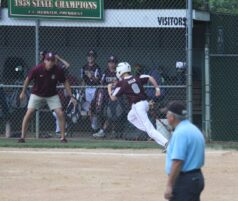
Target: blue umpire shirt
187	144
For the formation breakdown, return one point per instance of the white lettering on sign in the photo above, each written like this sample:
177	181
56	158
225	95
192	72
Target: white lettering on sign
42	4
22	3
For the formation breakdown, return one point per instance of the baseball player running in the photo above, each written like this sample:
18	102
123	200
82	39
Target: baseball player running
133	88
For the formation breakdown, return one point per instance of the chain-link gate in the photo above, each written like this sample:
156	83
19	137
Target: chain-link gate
157	48
223	71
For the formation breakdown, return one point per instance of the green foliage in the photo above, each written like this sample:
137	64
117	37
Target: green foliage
200	4
224	6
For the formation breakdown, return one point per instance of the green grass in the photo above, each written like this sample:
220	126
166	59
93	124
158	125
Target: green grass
88	143
79	143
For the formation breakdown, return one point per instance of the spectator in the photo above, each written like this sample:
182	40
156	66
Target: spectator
133	88
45	76
185	156
91	76
5	112
109	76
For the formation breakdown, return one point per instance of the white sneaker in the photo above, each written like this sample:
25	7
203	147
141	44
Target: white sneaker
99	134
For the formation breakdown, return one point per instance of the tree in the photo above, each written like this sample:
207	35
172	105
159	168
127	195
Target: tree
224	6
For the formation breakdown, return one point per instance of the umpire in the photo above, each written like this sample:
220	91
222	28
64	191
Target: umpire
185	156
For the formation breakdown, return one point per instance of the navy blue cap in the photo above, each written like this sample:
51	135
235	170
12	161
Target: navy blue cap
112	59
176	107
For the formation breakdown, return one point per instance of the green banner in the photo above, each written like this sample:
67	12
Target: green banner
56	9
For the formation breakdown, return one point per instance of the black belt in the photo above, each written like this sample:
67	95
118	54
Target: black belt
190	172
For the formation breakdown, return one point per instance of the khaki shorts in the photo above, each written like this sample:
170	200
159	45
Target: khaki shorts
36	101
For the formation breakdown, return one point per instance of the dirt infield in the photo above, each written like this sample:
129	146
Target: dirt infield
104	175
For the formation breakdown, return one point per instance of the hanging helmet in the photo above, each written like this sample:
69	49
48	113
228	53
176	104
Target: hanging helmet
73	112
122	68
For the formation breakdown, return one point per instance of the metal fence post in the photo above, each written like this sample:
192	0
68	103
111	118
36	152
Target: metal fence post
207	94
189	58
36	62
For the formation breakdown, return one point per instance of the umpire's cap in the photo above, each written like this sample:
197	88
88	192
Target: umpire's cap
177	107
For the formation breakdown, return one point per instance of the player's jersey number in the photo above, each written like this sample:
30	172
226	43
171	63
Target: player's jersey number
135	88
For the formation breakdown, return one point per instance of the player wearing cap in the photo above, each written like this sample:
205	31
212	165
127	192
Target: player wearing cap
185	156
109	76
45	76
133	88
91	76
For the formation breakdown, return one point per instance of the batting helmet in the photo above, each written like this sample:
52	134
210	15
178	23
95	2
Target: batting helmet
122	68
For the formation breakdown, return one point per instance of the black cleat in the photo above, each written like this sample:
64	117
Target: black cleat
21	140
63	140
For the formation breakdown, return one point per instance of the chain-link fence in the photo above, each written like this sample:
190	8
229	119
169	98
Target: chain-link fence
223	71
150	35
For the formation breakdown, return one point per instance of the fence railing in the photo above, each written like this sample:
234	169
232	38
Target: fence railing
47	124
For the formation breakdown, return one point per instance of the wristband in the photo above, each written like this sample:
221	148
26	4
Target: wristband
157	89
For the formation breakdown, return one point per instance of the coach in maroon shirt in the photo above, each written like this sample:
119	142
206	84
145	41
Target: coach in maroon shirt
46	76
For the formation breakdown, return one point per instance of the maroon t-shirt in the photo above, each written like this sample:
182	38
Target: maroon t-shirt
132	87
45	81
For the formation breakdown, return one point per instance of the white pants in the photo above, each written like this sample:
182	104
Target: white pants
57	126
89	95
139	118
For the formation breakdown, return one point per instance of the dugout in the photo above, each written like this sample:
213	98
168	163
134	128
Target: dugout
150	37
